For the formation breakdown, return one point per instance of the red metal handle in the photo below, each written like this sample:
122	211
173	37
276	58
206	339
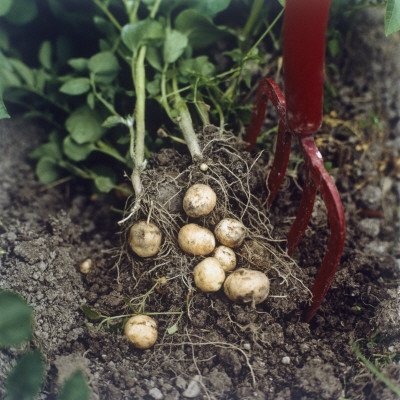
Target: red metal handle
305	24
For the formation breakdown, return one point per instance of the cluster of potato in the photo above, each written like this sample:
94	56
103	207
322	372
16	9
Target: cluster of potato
242	285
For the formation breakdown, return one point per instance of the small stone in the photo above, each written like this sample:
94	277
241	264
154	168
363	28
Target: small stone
87	266
203	167
156	394
181	383
370	227
193	389
371	197
246	346
286	360
378	246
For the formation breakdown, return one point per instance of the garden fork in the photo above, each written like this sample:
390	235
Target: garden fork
304	46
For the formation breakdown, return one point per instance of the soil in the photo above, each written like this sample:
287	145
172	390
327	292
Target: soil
221	350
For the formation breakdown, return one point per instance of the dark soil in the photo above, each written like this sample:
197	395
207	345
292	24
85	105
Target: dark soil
221	350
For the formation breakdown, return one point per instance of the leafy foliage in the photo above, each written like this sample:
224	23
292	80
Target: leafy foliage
15	319
25	379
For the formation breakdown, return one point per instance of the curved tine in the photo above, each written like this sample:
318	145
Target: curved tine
337	226
267	90
281	159
304	212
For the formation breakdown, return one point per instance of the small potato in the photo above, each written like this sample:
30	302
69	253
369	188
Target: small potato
196	240
209	275
141	330
247	286
145	239
230	232
199	200
226	256
87	266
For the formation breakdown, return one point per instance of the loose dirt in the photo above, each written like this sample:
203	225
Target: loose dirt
220	350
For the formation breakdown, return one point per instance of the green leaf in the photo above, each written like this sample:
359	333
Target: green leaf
197	66
51	149
5	6
75	388
76	86
76	151
200	29
91	314
4	41
47	170
45	54
174	45
3	110
79	64
154	58
333	46
23	71
392	17
104	63
154	87
22	12
138	33
112	121
16	318
84	125
26	378
172	329
210	7
90	100
104	184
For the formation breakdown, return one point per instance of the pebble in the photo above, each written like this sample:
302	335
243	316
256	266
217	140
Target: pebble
156	394
378	246
246	346
193	389
371	197
286	360
369	226
181	383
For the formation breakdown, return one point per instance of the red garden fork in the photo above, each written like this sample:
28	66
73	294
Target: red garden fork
300	115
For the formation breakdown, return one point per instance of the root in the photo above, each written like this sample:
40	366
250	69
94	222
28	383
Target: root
239	183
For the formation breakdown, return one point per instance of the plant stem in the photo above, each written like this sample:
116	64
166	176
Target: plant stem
254	14
107	12
139	79
185	122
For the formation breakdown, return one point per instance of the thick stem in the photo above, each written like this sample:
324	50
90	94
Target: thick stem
185	123
139	78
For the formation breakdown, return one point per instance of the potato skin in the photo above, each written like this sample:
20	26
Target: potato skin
230	232
226	256
196	240
199	200
141	330
247	286
145	239
209	275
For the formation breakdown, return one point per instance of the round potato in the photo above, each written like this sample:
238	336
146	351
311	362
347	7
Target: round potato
145	239
247	286
141	330
230	232
209	275
199	200
196	240
226	256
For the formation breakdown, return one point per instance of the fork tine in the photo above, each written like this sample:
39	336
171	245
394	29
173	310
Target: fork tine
324	183
303	214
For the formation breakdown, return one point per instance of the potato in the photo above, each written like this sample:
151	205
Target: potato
226	256
141	330
230	232
87	266
199	200
196	240
247	286
145	239
209	275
